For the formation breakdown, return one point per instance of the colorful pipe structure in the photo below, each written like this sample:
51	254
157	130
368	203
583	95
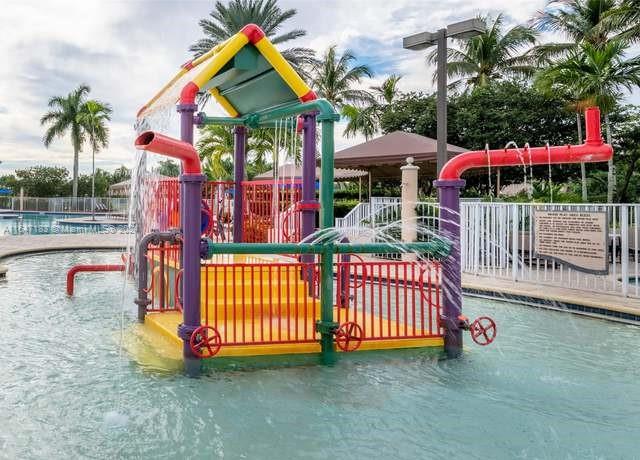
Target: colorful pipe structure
71	274
449	184
258	88
155	238
191	181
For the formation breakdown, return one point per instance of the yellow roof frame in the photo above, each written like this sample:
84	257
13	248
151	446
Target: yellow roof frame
218	57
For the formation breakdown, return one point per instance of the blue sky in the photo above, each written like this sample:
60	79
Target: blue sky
127	49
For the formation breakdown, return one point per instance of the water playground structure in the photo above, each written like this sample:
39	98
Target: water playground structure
239	269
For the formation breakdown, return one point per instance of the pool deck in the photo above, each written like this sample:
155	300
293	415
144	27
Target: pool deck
589	303
99	220
27	244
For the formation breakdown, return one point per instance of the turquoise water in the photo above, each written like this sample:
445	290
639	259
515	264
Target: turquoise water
46	224
552	386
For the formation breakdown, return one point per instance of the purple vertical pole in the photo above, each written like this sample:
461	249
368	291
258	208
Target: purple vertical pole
240	147
309	205
449	196
190	199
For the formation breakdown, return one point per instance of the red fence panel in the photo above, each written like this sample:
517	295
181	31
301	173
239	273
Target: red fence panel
389	299
271	214
253	301
164	279
218	196
259	303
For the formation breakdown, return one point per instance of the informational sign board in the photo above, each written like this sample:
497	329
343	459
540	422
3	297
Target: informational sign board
574	238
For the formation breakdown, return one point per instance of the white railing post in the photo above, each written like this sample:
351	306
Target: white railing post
464	210
476	238
514	241
624	243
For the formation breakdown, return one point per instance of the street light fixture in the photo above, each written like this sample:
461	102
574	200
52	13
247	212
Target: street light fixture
461	30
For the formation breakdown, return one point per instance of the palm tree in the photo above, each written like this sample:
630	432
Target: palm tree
360	120
388	90
63	118
93	118
366	120
226	20
595	74
625	19
578	20
492	55
215	147
335	77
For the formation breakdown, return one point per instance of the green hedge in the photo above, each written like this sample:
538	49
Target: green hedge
342	206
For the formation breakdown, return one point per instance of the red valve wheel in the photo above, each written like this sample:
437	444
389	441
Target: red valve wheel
205	342
483	330
349	336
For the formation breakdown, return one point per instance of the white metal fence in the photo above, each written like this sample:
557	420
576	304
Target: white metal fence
65	204
497	240
354	222
383	211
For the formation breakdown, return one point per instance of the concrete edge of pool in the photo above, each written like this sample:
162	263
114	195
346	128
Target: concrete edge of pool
608	307
604	306
11	246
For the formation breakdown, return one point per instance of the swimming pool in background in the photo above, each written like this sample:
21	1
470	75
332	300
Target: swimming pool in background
33	223
552	386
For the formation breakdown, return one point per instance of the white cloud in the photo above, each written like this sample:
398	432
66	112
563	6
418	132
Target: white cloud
126	50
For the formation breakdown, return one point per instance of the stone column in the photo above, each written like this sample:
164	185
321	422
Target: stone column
409	186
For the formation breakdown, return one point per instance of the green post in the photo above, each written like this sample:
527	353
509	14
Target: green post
326	175
327	325
326	262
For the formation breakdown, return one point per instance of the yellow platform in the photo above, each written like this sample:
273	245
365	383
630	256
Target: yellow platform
256	305
167	323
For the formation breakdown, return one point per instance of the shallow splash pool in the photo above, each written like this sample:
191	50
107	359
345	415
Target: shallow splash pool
40	223
553	385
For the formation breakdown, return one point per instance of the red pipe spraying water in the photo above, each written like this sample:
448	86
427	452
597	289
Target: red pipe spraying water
449	185
593	150
168	146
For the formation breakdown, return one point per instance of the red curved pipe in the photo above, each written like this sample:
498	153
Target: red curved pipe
593	150
189	93
168	146
89	268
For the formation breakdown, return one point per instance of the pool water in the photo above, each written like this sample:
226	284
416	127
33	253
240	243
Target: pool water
552	386
46	224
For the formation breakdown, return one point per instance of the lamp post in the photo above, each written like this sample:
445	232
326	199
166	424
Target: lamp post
463	29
